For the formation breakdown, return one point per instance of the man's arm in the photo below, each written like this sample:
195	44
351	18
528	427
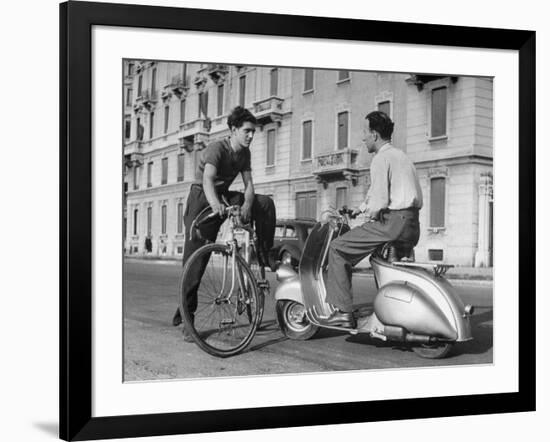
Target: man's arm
209	187
248	195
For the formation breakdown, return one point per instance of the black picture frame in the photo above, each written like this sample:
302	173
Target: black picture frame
76	21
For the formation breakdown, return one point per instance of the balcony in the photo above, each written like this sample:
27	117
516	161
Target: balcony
195	134
133	154
217	72
341	164
147	99
420	80
179	86
269	110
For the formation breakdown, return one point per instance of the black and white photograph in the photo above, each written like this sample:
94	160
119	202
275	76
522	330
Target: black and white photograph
288	220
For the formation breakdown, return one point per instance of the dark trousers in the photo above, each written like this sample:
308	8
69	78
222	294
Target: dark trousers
347	250
263	216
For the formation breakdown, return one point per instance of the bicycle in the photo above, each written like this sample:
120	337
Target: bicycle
231	293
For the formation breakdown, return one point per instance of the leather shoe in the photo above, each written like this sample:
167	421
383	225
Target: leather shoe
177	319
339	319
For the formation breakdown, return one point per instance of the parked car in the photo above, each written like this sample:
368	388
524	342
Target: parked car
289	240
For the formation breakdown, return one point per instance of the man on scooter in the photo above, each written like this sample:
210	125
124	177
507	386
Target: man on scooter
391	209
219	165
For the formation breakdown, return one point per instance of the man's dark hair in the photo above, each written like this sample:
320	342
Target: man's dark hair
239	116
381	123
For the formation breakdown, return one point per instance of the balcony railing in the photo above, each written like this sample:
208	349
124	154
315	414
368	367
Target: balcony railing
147	98
269	110
336	165
133	154
217	72
179	85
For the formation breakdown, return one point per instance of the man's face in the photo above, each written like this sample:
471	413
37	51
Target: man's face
369	137
243	135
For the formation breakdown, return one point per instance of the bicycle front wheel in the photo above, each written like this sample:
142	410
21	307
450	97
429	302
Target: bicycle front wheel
228	305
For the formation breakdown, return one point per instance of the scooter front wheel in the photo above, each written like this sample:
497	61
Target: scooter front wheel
433	351
292	319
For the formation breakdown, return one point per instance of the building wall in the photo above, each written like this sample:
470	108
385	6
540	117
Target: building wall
462	156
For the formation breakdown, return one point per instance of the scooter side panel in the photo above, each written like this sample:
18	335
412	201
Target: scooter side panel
438	289
404	305
311	267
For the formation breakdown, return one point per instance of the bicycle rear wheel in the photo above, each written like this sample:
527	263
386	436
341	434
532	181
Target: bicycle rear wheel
229	305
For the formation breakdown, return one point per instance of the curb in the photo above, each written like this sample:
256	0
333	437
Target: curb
459	279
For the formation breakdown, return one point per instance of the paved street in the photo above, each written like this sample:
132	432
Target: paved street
155	350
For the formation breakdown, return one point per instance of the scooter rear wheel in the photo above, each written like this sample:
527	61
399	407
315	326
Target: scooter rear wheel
433	351
293	321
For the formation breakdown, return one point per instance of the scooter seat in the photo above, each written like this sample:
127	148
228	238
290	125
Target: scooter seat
398	251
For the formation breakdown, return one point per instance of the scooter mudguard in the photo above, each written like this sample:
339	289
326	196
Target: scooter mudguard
430	301
289	287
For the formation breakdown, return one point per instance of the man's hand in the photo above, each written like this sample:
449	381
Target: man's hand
246	210
355	212
219	209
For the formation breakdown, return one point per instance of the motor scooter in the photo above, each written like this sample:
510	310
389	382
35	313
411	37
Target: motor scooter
414	305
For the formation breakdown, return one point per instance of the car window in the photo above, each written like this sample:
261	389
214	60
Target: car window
290	232
279	231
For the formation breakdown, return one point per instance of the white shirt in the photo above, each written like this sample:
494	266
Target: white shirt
394	183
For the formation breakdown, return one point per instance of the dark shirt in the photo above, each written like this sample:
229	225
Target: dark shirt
227	162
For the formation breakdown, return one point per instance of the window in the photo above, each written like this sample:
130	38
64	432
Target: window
151	124
139	130
136	178
164	179
384	106
180	217
140	85
203	104
308	80
181	167
129	96
290	232
435	254
154	82
150	174
274	82
439	112
437	202
343	75
341	197
130	69
220	100
270	155
166	118
306	205
242	90
306	139
136	212
127	129
149	220
182	111
343	130
163	219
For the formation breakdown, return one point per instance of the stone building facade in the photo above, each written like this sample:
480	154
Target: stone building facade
308	153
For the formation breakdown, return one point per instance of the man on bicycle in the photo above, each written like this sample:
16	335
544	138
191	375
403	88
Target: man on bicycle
219	165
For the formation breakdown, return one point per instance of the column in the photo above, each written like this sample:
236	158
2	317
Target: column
482	256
